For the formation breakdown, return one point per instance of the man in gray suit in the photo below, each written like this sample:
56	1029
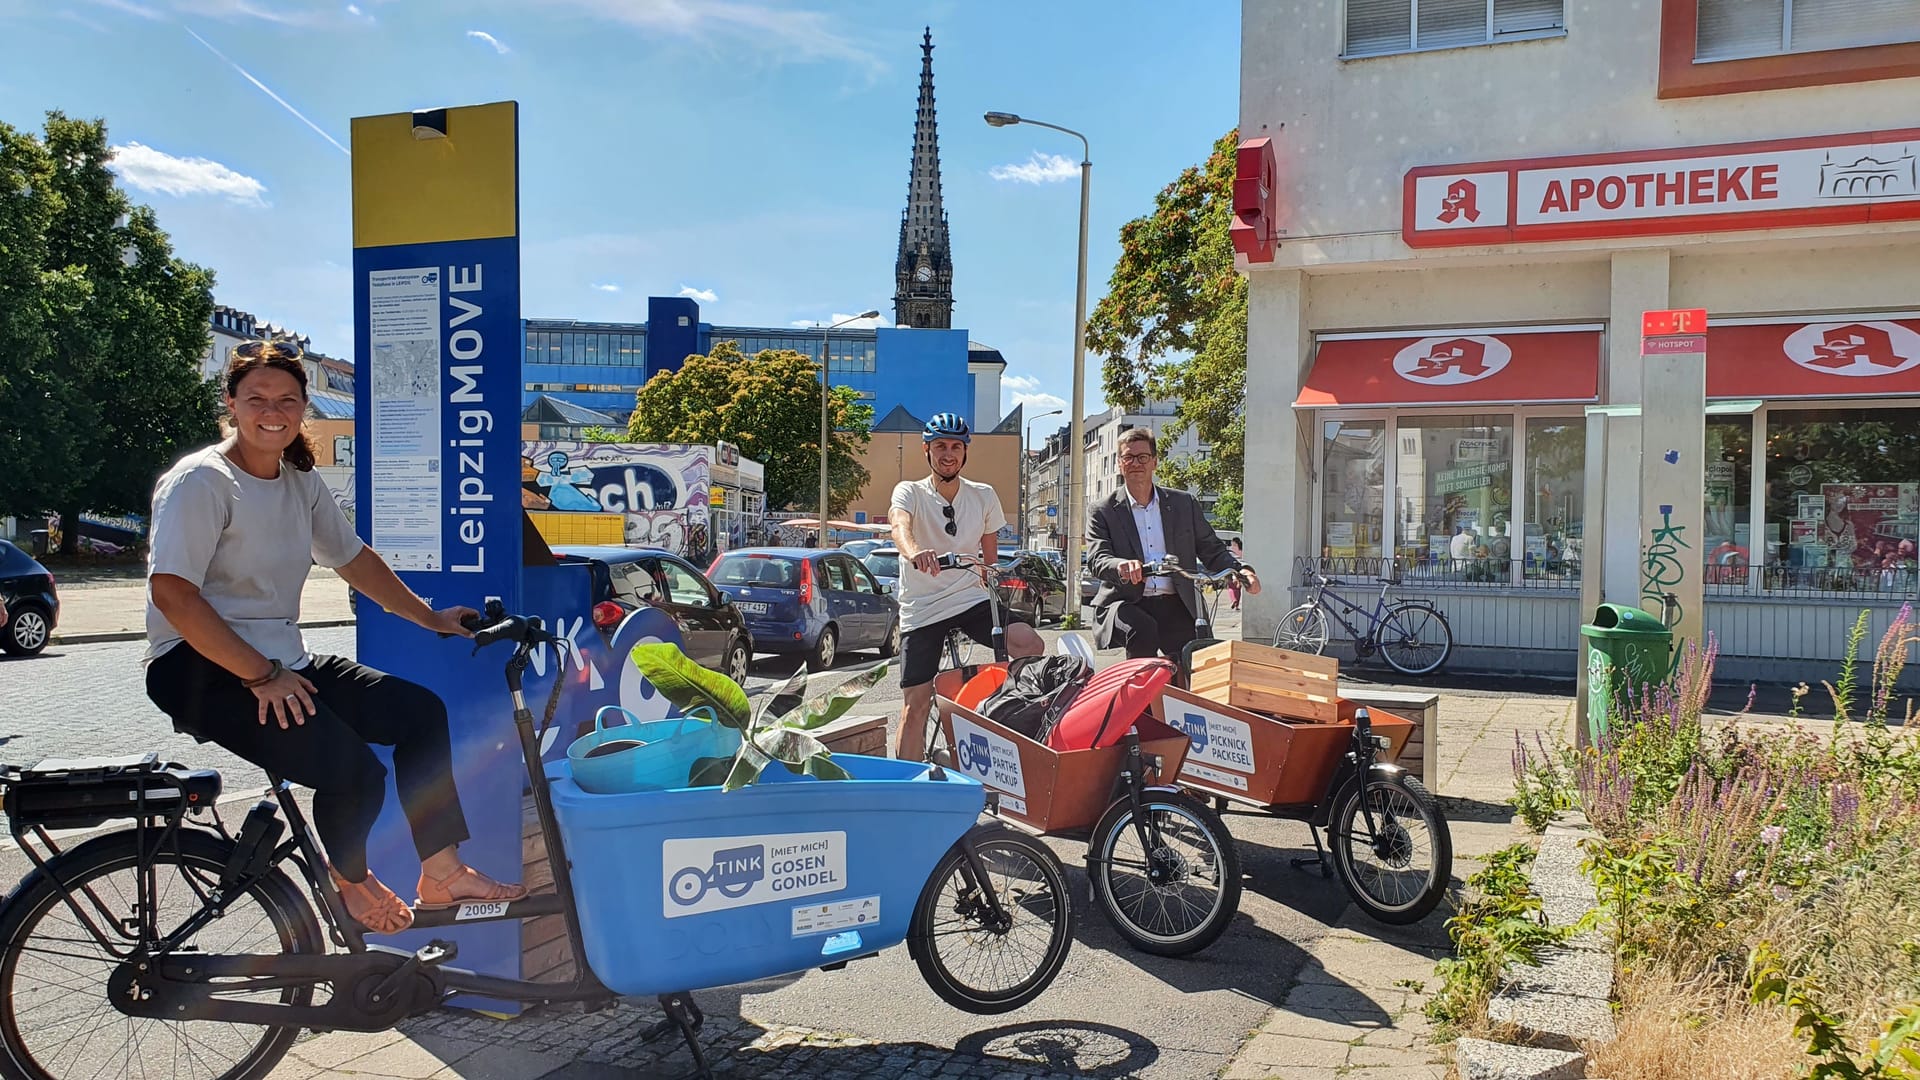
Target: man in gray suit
1143	523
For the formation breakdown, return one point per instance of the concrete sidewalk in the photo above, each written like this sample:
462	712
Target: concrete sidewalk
118	611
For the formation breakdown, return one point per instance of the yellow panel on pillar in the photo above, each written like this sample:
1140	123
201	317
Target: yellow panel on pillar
436	175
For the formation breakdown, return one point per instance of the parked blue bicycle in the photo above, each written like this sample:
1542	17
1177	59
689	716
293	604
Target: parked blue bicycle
1411	635
174	947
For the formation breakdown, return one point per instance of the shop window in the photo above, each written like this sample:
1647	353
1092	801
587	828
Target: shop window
1453	498
1379	27
1552	529
1726	541
1843	499
1353	473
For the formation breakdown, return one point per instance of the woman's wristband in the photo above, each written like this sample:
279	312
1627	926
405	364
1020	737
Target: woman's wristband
272	674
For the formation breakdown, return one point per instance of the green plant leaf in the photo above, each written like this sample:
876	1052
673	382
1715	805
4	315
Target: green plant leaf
824	709
687	684
709	771
777	703
799	752
747	767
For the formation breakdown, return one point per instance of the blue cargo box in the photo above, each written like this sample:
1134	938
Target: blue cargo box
695	887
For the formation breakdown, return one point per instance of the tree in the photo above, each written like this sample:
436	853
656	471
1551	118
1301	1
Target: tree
1226	511
598	434
769	406
101	333
1173	324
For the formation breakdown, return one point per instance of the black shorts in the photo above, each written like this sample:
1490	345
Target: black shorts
923	645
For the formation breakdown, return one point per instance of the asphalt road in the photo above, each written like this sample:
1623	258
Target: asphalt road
1113	1010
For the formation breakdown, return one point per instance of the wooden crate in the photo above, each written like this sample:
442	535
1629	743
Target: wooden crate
1265	760
1258	678
1043	788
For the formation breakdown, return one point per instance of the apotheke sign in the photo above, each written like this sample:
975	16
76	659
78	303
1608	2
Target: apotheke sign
1828	180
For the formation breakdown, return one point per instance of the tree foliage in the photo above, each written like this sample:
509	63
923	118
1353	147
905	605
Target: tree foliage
769	406
1173	325
101	333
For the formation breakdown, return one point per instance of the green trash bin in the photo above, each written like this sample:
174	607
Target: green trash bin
1626	648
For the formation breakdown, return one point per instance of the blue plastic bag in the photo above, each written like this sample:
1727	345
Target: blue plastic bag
652	756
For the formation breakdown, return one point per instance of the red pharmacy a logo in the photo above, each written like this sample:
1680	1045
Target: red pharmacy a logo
1462	200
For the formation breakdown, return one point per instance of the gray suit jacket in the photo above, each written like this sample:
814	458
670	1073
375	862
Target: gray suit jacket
1113	539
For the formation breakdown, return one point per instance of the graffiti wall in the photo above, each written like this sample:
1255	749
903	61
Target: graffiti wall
661	490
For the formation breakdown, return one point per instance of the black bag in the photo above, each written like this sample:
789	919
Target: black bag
1037	692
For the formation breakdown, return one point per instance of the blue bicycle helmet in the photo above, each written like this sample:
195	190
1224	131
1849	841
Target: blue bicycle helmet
947	425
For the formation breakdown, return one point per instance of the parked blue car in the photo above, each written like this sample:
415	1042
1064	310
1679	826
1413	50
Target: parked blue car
816	601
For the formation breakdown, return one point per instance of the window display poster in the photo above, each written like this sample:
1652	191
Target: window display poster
1868	526
1812	507
1340	539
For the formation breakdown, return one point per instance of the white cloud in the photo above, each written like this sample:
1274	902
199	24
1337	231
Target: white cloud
606	286
773	28
482	35
148	169
877	322
1036	404
1038	169
705	296
1021	383
130	8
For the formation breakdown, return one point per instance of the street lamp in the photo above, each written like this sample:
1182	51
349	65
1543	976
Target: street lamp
826	390
1026	510
1076	461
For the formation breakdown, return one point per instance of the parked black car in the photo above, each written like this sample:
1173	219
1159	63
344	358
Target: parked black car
1035	590
33	606
712	631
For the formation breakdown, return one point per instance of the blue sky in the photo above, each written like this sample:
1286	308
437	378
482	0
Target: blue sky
752	151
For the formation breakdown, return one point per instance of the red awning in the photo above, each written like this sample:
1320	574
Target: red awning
1830	359
1504	368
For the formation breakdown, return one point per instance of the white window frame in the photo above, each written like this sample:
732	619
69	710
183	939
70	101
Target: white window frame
1413	35
1516	417
1786	41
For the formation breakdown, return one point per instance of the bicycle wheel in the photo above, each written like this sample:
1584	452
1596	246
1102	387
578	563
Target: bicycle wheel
1177	898
973	963
1398	871
55	1020
958	650
1415	639
1302	630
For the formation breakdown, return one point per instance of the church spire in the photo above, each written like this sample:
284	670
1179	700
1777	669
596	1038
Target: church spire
923	269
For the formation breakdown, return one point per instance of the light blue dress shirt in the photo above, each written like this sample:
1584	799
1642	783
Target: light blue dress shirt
1153	539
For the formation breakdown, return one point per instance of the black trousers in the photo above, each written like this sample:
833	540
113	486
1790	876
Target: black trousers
355	706
1153	626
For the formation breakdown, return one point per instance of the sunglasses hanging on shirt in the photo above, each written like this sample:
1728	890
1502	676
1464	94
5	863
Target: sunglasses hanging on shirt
952	529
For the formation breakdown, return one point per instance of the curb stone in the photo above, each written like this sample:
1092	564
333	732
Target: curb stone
1479	1059
140	635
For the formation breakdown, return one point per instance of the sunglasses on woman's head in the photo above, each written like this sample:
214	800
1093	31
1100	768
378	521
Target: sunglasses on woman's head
264	349
952	529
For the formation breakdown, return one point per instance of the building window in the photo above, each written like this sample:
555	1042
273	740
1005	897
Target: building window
1843	499
1380	27
1453	497
1726	542
1550	536
1737	29
1354	471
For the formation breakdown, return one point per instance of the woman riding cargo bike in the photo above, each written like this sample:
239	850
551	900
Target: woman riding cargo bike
175	946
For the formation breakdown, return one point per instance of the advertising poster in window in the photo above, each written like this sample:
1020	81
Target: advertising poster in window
1869	526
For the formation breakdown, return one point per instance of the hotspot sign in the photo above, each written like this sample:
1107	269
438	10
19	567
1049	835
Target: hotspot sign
722	872
989	758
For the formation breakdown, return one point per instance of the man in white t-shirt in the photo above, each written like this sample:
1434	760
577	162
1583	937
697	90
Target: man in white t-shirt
944	514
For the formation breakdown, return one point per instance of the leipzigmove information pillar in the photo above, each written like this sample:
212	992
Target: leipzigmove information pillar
436	284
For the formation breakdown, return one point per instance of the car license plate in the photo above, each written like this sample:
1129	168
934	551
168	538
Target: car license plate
752	607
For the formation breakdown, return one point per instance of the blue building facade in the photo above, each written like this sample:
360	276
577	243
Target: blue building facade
600	365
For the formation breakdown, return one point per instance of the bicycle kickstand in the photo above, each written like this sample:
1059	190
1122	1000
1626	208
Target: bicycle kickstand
684	1016
1319	856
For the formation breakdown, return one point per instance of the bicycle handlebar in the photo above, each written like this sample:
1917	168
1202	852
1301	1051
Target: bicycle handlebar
496	626
957	561
1171	567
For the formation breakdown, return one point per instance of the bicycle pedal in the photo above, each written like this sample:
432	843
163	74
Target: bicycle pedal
436	952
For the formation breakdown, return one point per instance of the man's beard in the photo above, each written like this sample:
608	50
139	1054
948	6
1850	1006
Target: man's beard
957	469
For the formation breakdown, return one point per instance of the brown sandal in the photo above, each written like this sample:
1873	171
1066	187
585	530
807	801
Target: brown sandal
383	912
436	896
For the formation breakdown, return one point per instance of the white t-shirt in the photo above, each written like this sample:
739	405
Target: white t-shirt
928	598
247	543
